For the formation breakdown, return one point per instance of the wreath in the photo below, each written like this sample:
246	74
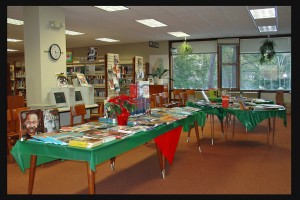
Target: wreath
267	51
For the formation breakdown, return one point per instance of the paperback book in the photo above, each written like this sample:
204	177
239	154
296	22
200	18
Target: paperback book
85	142
51	120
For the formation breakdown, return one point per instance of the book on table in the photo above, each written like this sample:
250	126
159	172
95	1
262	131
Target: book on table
31	123
51	120
57	138
85	142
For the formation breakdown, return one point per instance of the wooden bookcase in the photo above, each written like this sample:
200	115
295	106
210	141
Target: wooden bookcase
20	79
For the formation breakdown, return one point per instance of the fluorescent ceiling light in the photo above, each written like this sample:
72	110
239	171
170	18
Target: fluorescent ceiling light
13	40
107	40
112	8
263	13
14	21
179	34
11	50
73	33
267	28
151	23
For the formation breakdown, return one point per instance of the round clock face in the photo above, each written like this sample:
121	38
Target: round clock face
55	51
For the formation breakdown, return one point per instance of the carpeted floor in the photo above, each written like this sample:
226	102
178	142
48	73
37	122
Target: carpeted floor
246	166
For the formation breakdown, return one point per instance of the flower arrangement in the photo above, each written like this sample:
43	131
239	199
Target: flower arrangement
120	104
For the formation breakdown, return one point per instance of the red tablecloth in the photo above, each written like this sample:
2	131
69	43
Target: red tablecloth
167	143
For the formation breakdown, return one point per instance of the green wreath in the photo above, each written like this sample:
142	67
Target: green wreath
267	51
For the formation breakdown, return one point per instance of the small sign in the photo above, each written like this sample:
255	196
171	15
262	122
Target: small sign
153	44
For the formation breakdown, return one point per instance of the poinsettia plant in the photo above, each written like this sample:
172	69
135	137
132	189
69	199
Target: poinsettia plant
120	104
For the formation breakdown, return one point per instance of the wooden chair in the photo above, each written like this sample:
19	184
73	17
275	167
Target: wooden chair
152	98
12	134
77	110
159	100
95	116
183	99
280	98
190	93
176	96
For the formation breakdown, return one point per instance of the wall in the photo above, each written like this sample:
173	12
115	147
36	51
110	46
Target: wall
126	51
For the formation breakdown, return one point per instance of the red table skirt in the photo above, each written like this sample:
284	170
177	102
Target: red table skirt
167	143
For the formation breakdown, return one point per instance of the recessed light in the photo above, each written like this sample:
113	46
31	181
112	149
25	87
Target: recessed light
267	28
13	40
73	33
151	23
14	21
112	8
263	13
107	40
11	50
179	34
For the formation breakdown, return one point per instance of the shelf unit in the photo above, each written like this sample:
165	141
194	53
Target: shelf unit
94	71
20	78
127	77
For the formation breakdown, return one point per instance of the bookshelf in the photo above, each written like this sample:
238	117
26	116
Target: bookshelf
94	71
19	79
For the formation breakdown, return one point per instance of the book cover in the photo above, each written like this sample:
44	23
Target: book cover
133	90
51	120
85	142
143	89
58	138
82	80
31	123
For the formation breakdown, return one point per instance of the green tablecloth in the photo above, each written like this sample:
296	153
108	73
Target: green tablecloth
249	118
49	152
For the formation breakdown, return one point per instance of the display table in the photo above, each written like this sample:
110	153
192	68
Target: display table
249	118
29	154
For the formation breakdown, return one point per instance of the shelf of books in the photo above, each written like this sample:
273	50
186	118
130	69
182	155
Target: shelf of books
20	78
94	72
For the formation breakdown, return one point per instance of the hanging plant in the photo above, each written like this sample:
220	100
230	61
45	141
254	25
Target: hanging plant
267	51
185	48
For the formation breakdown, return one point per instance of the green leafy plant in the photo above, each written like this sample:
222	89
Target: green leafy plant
159	72
185	48
120	104
267	51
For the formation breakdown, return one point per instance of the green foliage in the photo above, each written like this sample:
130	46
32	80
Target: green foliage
159	71
267	51
185	48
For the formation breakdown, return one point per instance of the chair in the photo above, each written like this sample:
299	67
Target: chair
190	93
77	110
159	100
176	96
152	98
280	98
100	112
183	99
12	134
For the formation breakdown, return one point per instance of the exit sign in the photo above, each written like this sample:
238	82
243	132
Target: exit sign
153	44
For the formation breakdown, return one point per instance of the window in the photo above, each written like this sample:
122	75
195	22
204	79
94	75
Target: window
228	66
197	71
270	76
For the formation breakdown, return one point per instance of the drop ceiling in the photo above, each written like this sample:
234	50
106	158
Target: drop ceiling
200	22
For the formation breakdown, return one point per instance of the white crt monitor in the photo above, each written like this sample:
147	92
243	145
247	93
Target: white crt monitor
78	96
87	93
62	97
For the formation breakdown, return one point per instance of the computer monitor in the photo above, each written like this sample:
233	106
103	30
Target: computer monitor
62	97
78	97
87	93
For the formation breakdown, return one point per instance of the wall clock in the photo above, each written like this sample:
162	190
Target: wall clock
55	51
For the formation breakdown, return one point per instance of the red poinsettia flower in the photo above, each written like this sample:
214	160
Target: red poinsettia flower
120	104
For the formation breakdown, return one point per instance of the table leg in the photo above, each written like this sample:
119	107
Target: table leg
188	138
161	160
269	124
197	134
212	129
91	179
233	126
226	129
273	128
33	159
112	163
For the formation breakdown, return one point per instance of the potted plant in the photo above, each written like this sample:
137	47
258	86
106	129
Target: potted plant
185	48
159	72
267	51
121	106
